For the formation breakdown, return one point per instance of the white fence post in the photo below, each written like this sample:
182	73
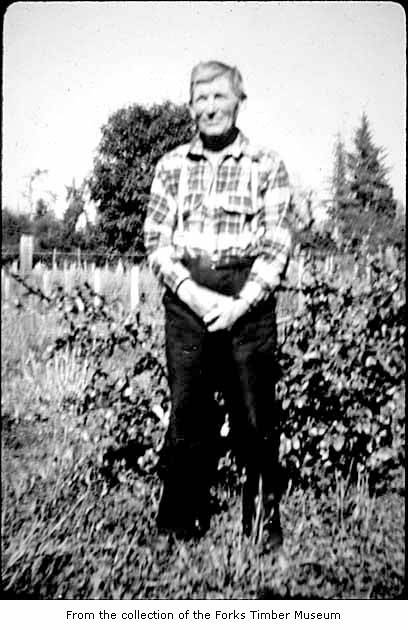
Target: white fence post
134	288
5	283
46	281
26	253
97	280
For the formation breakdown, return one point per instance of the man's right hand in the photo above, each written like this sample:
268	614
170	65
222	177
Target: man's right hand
200	299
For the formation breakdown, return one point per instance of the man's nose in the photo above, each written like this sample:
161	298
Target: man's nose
210	106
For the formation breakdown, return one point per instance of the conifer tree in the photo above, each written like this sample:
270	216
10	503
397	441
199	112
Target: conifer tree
339	183
371	206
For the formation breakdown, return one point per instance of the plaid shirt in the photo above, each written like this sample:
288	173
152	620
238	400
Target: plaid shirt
211	211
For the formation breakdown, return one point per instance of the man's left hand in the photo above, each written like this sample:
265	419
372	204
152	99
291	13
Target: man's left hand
223	316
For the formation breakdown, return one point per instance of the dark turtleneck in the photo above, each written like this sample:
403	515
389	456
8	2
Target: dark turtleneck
218	143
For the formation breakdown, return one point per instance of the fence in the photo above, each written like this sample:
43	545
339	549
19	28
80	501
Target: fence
128	284
118	283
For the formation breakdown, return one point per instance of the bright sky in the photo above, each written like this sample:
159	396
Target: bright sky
310	69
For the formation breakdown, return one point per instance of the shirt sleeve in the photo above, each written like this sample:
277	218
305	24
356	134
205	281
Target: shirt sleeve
270	265
159	227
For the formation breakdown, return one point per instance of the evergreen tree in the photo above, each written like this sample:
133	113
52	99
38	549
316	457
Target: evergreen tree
371	207
339	184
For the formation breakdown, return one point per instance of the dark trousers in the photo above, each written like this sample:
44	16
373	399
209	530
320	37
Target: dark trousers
241	365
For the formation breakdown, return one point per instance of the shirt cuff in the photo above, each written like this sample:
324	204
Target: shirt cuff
176	276
252	292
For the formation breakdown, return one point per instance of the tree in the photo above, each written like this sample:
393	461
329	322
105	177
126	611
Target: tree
133	140
339	184
13	225
371	206
75	208
48	232
29	192
41	208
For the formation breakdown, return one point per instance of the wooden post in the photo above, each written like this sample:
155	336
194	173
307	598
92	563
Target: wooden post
26	253
134	288
54	259
79	257
67	277
46	281
97	280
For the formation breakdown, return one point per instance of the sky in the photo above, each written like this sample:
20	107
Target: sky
310	70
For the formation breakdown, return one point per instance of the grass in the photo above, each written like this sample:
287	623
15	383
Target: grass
68	533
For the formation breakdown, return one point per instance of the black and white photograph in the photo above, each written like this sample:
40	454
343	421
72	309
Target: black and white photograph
203	309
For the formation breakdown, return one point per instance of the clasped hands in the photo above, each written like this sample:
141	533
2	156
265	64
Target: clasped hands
218	312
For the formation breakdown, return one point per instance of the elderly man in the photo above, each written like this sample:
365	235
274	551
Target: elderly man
216	237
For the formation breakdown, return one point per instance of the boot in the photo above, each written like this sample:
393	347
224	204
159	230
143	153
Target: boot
272	536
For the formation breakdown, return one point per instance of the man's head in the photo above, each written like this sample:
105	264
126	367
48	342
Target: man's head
216	93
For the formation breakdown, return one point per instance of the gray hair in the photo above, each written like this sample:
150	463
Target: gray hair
208	70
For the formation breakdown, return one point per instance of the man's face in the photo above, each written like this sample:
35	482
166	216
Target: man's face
214	106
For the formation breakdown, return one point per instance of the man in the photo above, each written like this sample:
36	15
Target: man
215	236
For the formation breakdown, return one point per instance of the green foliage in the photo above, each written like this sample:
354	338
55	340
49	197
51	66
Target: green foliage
13	225
363	202
315	241
79	489
368	175
342	375
133	140
343	378
76	206
339	183
47	231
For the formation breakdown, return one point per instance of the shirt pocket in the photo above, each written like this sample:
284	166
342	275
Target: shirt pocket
192	208
235	212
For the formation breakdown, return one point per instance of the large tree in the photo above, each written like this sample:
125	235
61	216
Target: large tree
133	140
371	206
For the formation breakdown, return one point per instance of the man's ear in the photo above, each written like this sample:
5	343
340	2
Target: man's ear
241	106
237	110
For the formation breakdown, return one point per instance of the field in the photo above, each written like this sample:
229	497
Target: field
84	410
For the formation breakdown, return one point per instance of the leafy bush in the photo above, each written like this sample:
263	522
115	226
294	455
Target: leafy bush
341	387
340	391
83	420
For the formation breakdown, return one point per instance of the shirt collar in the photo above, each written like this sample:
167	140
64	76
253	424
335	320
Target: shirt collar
239	147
